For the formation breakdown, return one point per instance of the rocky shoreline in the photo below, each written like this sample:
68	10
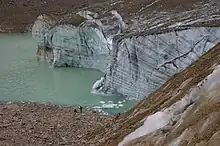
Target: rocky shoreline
32	123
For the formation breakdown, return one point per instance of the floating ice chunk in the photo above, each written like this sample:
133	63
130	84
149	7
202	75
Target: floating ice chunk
120	105
102	102
109	105
120	102
97	107
116	3
109	42
98	84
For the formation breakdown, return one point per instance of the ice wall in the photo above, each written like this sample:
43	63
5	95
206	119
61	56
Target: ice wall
141	64
71	45
135	64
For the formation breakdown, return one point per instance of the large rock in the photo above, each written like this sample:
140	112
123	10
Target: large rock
141	64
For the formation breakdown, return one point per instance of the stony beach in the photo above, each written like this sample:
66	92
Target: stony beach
28	123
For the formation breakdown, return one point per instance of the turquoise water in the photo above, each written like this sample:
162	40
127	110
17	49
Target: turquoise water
22	78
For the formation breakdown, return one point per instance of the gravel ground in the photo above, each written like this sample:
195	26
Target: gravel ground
39	124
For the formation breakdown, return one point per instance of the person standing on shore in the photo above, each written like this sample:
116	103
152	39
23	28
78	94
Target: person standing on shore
80	108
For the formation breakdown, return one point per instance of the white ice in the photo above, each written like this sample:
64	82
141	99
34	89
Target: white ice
120	21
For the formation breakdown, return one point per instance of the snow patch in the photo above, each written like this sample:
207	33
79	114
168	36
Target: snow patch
151	124
120	22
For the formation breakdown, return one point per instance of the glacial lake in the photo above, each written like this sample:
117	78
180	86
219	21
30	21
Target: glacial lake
23	78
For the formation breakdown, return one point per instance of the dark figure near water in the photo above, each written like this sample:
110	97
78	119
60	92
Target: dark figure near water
118	115
66	65
80	108
75	111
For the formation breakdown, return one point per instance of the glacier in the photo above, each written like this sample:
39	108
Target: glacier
141	64
135	64
70	45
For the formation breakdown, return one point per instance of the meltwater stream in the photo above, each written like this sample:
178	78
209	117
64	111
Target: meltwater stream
22	78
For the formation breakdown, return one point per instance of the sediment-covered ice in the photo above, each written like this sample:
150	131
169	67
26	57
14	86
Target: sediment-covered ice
168	116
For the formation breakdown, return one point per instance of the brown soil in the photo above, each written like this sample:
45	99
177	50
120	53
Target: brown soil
17	15
38	124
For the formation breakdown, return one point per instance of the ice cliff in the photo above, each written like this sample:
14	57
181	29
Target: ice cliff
137	54
79	43
141	64
135	66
